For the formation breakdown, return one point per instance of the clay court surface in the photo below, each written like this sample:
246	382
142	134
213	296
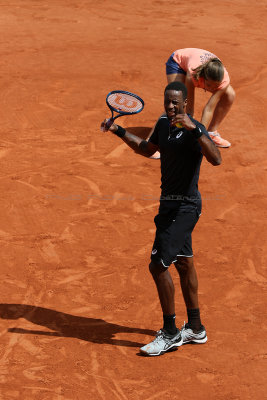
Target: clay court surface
77	206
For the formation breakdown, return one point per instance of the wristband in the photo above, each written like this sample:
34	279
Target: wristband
120	131
197	133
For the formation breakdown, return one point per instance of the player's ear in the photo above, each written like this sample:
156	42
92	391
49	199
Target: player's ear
185	103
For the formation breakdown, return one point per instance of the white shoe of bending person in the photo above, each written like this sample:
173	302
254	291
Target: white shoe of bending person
218	140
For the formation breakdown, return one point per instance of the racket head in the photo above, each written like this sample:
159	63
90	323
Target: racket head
124	103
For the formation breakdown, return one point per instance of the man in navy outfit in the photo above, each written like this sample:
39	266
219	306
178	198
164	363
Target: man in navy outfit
182	142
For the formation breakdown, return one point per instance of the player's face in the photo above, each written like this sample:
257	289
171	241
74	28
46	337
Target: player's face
174	103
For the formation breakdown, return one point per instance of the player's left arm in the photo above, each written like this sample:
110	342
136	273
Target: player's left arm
208	148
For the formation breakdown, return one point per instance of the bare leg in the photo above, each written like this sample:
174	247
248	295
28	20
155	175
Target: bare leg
188	281
165	287
222	108
176	77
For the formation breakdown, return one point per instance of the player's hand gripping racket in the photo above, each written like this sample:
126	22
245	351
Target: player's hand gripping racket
123	103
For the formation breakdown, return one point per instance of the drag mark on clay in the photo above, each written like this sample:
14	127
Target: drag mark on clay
117	152
33	373
118	196
15	340
52	106
27	171
114	227
160	394
103	381
28	184
75	277
92	185
8	349
97	378
91	163
118	392
222	215
45	389
252	274
234	294
48	252
123	351
205	377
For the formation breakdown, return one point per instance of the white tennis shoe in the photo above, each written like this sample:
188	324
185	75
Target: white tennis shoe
189	336
162	343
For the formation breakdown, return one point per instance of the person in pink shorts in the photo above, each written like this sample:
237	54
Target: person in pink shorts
198	68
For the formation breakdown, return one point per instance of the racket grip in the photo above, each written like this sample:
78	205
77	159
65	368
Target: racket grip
108	124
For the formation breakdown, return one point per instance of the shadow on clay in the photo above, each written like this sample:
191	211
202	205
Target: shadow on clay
67	325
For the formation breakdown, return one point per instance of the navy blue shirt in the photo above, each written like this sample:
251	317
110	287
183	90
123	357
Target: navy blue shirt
181	158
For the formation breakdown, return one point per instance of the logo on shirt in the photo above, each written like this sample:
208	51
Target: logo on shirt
179	134
154	251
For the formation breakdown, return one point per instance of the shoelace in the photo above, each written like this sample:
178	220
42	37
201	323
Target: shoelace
183	327
159	335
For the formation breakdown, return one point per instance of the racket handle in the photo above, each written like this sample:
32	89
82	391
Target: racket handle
107	125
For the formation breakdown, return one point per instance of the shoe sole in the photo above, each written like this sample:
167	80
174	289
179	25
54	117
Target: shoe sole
220	145
172	348
200	341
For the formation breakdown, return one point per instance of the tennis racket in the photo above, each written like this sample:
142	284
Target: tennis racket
123	103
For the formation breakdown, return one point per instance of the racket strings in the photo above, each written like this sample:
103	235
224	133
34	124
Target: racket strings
124	102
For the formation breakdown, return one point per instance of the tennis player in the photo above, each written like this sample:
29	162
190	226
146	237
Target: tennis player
198	68
182	142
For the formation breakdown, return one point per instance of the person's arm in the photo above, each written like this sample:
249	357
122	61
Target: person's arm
208	148
140	146
190	94
209	108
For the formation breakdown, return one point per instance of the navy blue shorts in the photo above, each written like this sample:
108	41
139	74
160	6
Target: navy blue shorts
172	67
173	235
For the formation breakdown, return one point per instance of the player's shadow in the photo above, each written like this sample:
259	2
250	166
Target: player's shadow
67	325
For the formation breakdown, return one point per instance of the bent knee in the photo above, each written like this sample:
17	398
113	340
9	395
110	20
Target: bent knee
183	264
230	94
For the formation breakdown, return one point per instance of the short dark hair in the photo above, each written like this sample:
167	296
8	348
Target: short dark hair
178	86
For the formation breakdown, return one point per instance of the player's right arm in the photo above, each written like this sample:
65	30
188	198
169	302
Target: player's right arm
140	146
